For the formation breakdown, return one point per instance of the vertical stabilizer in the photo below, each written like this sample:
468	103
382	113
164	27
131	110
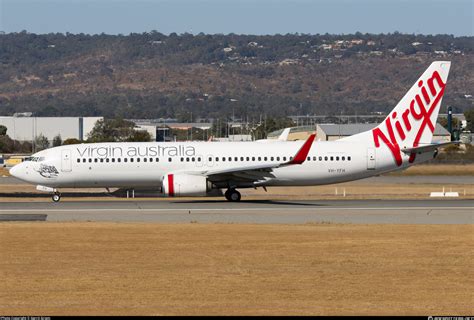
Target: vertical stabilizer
412	122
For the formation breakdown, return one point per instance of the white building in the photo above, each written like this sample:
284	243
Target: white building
28	128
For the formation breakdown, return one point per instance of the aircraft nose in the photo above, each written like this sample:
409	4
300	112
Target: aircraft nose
16	171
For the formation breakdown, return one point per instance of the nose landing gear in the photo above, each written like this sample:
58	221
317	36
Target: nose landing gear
232	195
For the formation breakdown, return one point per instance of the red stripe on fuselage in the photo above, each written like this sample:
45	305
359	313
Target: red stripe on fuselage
170	185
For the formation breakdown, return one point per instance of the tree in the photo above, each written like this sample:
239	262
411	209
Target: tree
71	141
139	136
41	142
57	141
444	122
469	114
111	130
3	130
117	130
6	144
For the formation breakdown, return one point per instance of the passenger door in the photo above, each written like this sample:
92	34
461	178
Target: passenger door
66	161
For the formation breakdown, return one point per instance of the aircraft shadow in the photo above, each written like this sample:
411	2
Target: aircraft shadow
272	202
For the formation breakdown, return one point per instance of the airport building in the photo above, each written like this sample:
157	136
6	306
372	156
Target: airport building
24	127
331	132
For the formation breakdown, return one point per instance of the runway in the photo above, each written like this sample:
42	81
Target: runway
257	211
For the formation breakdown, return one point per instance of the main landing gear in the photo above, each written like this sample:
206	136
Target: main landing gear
232	195
56	196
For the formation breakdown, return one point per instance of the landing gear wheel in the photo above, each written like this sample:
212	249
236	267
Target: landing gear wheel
56	197
233	195
227	194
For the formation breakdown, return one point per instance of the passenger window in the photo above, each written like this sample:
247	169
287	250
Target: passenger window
278	158
78	160
118	159
314	158
271	158
230	159
83	160
325	158
332	158
193	159
131	159
113	159
241	158
320	158
247	158
182	159
187	159
199	159
90	160
236	158
223	158
309	158
96	160
343	158
170	159
348	158
145	160
157	159
101	159
217	159
125	160
265	158
107	160
284	158
151	159
253	158
337	158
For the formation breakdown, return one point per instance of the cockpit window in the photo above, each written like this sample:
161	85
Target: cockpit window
34	159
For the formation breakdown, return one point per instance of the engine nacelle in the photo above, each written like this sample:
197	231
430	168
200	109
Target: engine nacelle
175	185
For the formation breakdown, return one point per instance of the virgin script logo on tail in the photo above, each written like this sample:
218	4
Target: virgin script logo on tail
414	114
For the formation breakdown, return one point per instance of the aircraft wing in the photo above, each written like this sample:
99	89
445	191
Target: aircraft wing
258	172
429	147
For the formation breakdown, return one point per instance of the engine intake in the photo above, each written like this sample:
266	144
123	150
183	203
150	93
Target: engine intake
176	185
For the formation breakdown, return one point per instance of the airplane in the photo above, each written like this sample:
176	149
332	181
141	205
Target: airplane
403	139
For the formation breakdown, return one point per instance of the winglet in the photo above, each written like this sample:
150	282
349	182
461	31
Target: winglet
284	135
302	153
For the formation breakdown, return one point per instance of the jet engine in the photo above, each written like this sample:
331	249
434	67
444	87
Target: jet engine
176	185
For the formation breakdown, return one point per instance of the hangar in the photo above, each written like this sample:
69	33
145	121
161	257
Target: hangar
24	127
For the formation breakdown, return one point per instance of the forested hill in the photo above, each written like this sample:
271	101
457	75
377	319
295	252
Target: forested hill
151	75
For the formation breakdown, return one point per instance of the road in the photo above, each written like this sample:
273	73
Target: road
250	211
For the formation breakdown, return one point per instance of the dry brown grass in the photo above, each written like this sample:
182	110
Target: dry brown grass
195	269
4	172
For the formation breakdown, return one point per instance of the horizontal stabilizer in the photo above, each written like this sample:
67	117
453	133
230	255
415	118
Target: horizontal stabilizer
429	147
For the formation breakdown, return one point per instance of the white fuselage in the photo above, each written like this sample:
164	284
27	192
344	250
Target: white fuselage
144	164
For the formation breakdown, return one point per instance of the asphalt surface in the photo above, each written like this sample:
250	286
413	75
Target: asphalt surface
256	211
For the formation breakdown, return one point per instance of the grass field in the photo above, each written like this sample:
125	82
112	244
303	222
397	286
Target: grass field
226	269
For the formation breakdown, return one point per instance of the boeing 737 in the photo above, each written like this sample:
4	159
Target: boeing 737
403	139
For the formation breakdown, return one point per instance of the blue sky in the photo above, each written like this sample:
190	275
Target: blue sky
238	16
